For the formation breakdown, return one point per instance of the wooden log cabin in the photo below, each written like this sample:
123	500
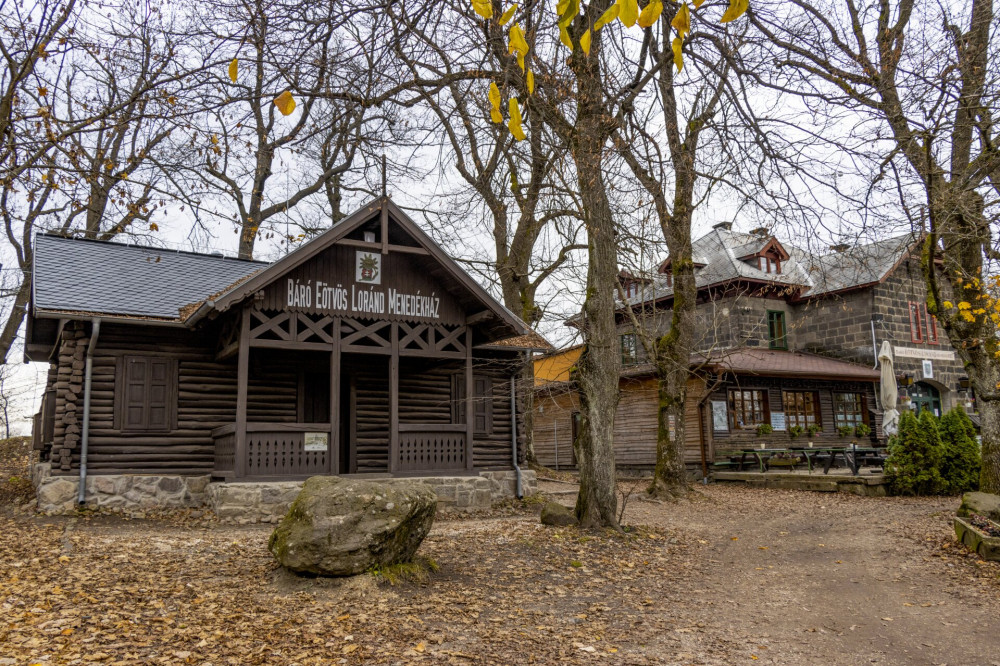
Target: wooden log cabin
366	350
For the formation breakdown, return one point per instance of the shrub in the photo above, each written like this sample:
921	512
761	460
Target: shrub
764	429
813	429
795	431
960	460
845	431
915	457
862	430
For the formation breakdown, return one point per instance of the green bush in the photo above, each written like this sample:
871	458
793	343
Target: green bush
915	457
795	431
960	461
764	429
862	430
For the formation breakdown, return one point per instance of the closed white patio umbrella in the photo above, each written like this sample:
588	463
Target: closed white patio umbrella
888	391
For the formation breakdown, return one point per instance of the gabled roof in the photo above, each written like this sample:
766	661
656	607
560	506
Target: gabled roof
73	276
365	214
720	252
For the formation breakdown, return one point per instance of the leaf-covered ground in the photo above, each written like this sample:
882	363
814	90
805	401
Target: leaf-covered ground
732	575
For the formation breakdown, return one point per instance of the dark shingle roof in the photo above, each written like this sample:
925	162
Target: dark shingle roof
85	276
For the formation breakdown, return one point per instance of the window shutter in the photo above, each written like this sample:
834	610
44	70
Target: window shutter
483	406
458	399
136	371
158	414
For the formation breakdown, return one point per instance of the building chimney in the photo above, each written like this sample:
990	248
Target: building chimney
725	226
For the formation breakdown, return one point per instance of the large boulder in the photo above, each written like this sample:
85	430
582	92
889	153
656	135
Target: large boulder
343	527
557	515
984	504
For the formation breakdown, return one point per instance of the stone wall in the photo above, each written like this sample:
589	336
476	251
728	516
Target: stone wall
249	502
58	494
267	502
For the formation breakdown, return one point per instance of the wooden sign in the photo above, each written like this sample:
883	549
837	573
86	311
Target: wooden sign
366	284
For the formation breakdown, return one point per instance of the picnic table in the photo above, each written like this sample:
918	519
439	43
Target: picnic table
854	457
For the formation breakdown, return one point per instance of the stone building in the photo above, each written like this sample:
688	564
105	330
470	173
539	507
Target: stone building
785	338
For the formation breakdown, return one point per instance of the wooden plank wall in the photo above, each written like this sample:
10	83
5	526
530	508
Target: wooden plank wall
635	430
371	381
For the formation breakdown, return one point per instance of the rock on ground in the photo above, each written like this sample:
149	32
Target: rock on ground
343	527
554	513
984	504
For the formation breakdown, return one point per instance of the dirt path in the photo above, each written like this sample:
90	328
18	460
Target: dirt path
733	575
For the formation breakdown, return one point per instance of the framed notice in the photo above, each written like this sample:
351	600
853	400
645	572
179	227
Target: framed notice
777	420
928	368
720	416
316	441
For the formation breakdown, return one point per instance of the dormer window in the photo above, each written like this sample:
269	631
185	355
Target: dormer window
769	264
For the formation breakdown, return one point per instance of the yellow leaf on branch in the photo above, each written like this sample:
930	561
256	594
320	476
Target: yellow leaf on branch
651	13
285	102
629	12
494	96
518	44
682	21
609	15
483	7
564	37
514	124
530	80
676	46
506	16
585	42
567	10
698	3
233	70
737	8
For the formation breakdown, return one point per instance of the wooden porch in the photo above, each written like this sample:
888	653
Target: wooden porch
419	442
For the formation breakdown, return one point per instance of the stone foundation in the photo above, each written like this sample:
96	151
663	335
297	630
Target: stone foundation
247	502
58	494
268	502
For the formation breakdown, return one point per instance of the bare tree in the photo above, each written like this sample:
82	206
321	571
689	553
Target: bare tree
923	81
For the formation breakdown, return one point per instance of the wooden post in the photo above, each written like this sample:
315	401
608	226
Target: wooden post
384	226
470	408
335	442
242	379
394	401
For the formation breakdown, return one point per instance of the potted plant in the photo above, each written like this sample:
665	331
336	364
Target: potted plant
845	431
795	431
862	430
813	428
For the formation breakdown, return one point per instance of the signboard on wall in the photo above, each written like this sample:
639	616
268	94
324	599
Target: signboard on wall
777	420
930	354
720	416
316	441
928	368
366	284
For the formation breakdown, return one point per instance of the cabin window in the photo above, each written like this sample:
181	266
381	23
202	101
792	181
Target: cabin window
916	324
747	408
801	408
148	401
482	403
932	329
629	349
848	409
776	329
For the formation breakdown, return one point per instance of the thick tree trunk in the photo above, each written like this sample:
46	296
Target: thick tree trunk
672	369
15	318
599	366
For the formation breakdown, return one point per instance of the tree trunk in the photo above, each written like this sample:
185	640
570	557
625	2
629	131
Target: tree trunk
15	318
599	365
672	370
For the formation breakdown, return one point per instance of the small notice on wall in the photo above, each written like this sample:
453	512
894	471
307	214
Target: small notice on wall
316	441
777	420
720	416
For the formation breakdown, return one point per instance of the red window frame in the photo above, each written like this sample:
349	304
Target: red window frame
916	326
932	328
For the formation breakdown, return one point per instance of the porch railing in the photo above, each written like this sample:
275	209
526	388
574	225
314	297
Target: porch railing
279	450
431	447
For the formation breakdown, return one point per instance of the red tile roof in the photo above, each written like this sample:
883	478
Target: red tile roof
775	363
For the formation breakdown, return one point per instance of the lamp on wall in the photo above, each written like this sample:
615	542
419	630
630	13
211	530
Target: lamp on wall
905	379
963	383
